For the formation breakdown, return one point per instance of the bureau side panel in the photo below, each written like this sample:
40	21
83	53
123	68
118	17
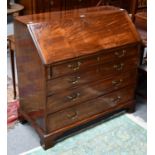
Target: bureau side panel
31	74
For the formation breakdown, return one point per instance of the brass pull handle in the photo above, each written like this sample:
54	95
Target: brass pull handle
73	116
116	82
120	54
119	66
75	80
74	66
73	96
117	99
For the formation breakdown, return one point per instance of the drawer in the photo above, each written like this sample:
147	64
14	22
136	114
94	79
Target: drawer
118	54
119	66
72	66
82	64
89	91
86	110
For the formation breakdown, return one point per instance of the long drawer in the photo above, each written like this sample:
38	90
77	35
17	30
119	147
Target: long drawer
81	94
95	73
82	111
81	64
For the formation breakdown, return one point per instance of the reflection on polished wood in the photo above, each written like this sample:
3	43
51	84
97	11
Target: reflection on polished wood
79	32
75	66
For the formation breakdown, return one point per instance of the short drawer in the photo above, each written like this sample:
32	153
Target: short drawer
118	54
89	91
86	110
73	66
119	66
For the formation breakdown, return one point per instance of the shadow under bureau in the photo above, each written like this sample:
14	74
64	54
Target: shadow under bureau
75	67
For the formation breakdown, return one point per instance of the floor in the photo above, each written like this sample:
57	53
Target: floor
23	138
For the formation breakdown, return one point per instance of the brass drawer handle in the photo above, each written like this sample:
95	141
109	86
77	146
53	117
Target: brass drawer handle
75	80
116	100
116	82
74	66
120	54
119	66
73	116
74	96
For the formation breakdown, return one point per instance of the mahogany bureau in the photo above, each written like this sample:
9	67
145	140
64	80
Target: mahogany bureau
75	67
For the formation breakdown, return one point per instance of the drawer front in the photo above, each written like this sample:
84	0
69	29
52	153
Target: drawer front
73	66
118	54
81	94
82	111
117	67
84	64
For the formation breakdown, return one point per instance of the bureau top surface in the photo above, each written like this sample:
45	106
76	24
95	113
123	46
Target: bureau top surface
69	34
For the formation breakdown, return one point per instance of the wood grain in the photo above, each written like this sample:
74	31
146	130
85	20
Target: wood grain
76	33
82	93
82	111
75	66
